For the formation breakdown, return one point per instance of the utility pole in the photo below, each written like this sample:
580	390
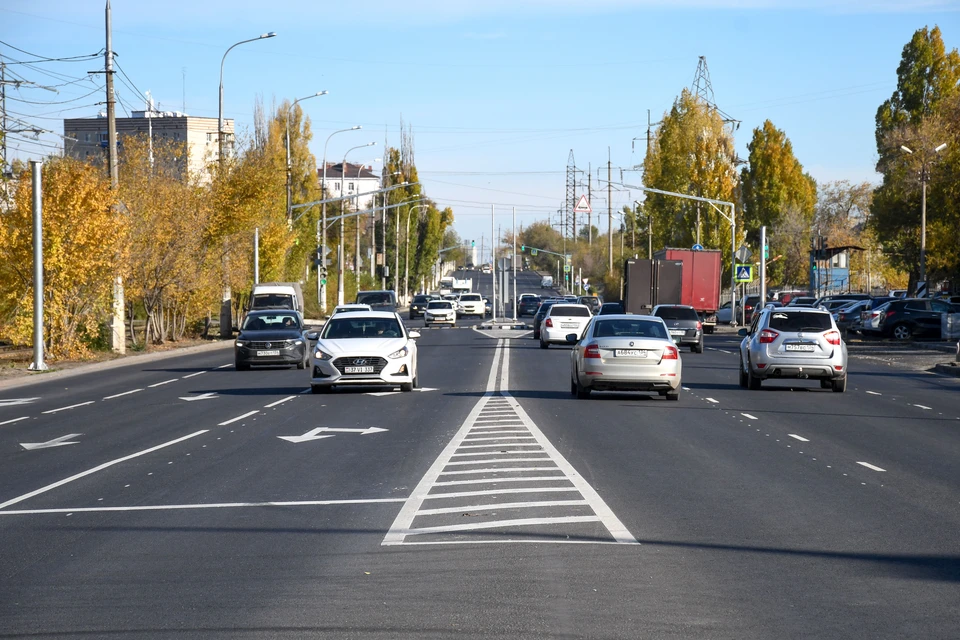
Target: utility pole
37	364
590	199
118	341
609	216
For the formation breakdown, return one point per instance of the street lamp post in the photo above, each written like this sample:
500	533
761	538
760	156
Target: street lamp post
289	169
341	254
322	235
226	312
924	177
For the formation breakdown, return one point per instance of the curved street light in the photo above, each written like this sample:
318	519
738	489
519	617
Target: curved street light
341	254
322	224
270	34
924	177
289	169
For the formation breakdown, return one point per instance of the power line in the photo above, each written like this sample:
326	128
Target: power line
80	58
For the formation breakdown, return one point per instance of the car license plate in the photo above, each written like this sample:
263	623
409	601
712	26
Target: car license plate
569	325
677	333
629	353
799	347
358	369
268	353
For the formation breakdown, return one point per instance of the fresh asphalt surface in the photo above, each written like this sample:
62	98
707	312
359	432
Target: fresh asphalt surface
729	514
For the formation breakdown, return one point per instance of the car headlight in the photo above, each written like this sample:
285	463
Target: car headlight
400	353
322	355
298	342
240	343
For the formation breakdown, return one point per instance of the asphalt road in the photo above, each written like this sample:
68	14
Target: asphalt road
195	503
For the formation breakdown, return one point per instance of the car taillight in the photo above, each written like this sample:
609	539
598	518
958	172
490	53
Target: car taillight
549	322
748	308
670	353
592	351
699	325
767	336
890	314
833	337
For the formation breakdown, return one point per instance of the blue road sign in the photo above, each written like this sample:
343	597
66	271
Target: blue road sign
697	247
744	273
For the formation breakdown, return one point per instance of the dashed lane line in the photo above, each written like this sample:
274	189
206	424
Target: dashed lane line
870	466
73	406
874	393
238	418
192	375
14	420
924	407
748	416
160	384
125	393
796	437
216	505
279	402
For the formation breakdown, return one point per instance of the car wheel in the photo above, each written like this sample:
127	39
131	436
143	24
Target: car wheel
902	332
582	392
573	387
840	384
406	387
672	395
242	366
698	348
743	376
544	345
753	382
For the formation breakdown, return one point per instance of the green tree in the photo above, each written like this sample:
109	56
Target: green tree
542	236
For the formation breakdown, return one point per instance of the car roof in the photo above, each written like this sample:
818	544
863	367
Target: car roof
272	312
632	316
373	314
672	306
570	304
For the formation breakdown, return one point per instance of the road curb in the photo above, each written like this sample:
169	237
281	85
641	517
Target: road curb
948	369
125	361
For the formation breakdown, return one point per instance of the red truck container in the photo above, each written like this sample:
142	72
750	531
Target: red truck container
700	287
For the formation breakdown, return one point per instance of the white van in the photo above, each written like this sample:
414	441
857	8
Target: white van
277	295
546	282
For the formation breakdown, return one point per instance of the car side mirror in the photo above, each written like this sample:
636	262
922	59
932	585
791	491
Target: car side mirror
312	335
572	338
742	332
413	335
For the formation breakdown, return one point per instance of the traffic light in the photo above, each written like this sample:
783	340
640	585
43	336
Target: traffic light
766	252
322	275
523	248
473	243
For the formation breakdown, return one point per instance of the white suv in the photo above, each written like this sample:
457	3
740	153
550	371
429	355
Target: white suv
561	320
471	304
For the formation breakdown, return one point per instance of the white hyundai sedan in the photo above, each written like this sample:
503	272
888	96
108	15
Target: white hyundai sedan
625	353
561	320
440	312
364	348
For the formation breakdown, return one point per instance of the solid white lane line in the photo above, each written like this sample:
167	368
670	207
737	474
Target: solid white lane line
796	437
612	523
273	404
221	505
870	466
73	406
101	467
748	416
14	420
496	460
224	366
151	386
505	505
874	393
498	453
125	393
711	400
198	373
452	483
925	408
496	524
246	415
496	470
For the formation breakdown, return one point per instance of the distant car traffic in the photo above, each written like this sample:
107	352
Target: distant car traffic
271	337
561	320
593	302
419	304
378	300
357	349
683	324
913	317
440	312
528	306
610	308
350	308
625	353
793	343
471	304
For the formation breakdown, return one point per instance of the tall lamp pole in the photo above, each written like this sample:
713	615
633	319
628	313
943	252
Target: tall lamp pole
924	176
322	226
342	253
226	312
289	168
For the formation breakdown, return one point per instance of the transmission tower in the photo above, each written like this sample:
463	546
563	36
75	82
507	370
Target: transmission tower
570	217
702	88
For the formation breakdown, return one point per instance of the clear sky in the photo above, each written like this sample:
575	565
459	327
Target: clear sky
497	92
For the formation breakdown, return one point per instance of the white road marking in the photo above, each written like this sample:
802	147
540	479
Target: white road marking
498	492
496	460
725	351
221	505
496	453
49	444
246	415
505	444
497	470
306	391
498	439
73	406
502	431
210	395
874	393
14	420
496	524
870	466
13	402
711	400
192	375
151	386
505	505
685	388
747	415
452	483
796	437
278	402
101	467
224	366
383	393
920	406
125	393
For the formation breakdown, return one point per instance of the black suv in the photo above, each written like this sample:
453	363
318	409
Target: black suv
683	323
915	317
528	306
594	302
419	304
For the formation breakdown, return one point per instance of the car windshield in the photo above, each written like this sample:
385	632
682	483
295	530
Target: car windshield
439	304
803	321
471	297
272	301
569	311
629	328
271	322
361	327
421	299
350	309
375	297
676	313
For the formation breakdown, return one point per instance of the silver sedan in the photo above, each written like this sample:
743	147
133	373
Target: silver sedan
625	353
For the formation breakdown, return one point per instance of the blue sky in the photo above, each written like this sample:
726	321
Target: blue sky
497	92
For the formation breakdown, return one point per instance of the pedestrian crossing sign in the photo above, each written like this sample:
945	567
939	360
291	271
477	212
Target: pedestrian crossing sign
744	273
